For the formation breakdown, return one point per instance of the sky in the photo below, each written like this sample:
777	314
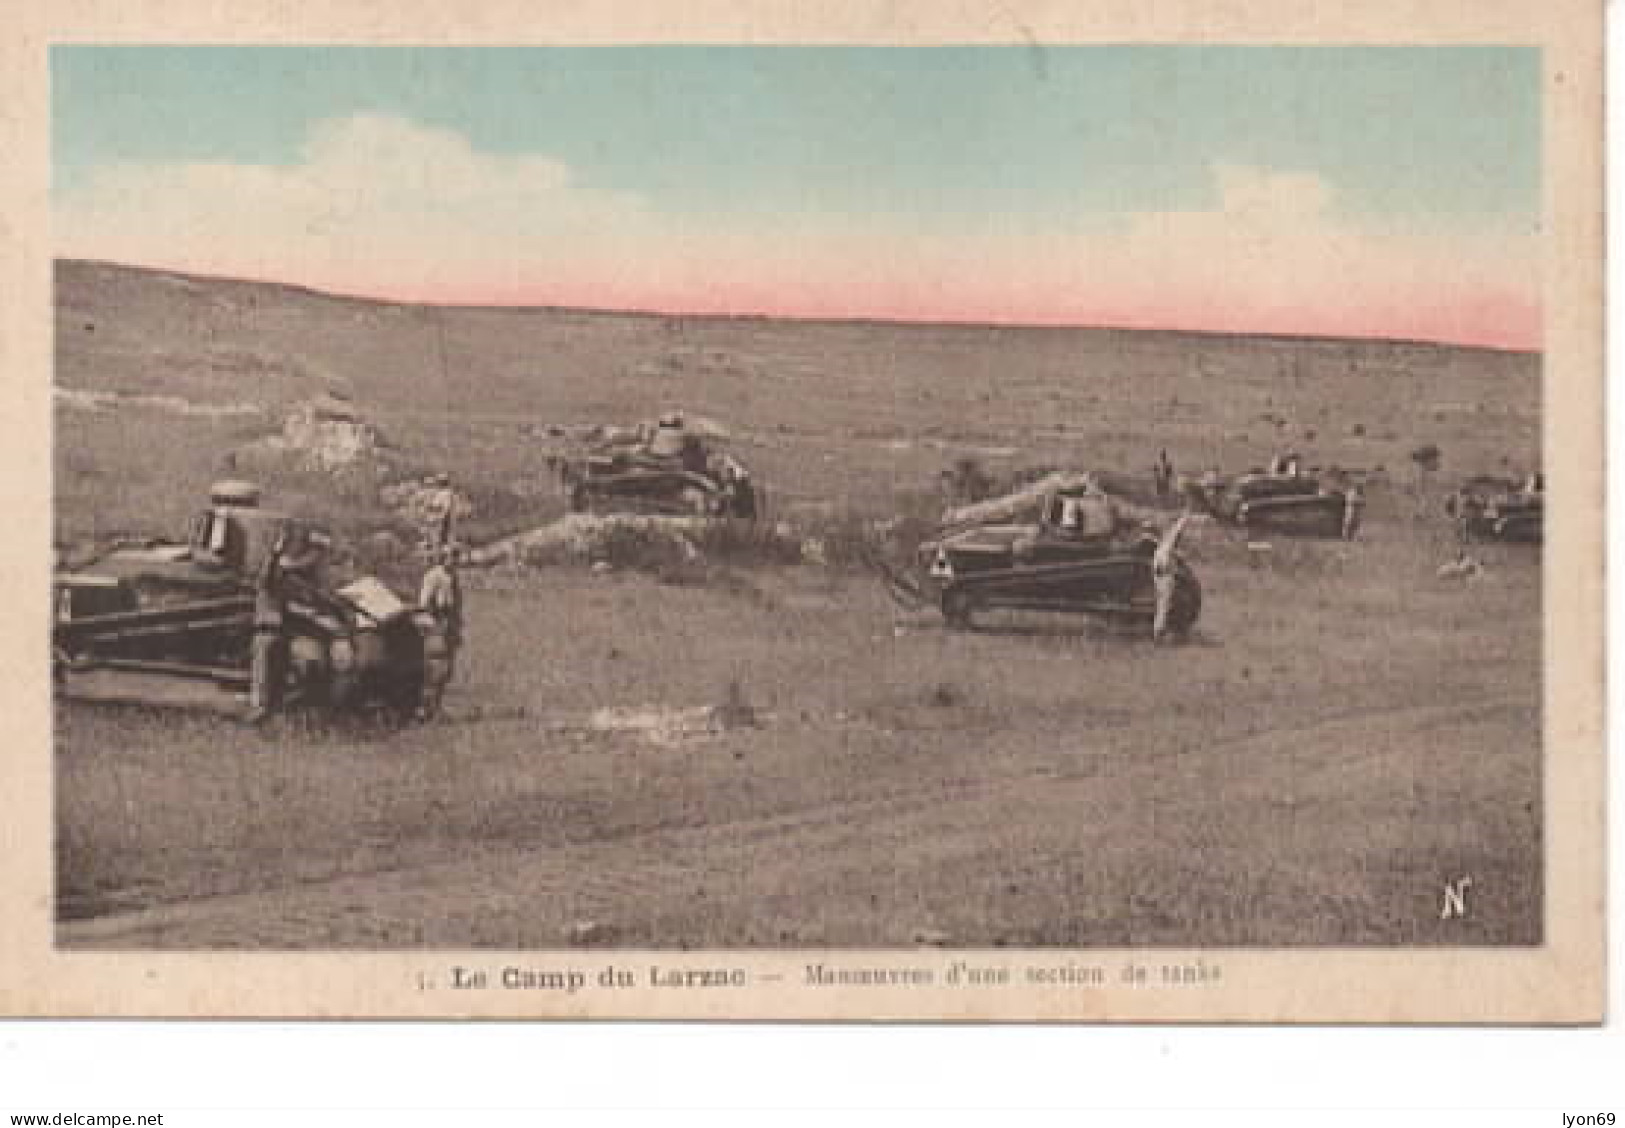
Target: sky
1388	191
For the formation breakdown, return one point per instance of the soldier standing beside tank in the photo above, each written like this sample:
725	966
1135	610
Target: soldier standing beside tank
1353	510
1463	507
441	505
442	598
1163	471
290	562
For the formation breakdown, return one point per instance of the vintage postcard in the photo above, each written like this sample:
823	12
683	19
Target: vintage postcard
1012	512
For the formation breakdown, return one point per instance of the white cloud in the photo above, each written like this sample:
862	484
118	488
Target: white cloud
372	198
380	205
1275	250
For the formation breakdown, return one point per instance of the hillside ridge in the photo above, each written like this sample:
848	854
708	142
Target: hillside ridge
1172	334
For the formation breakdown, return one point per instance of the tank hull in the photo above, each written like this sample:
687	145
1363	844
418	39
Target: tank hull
124	634
1029	570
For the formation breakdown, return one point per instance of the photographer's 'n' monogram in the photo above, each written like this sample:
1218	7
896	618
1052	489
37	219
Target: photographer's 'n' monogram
1455	898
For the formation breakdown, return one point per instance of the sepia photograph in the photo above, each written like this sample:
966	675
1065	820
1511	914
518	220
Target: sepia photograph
812	516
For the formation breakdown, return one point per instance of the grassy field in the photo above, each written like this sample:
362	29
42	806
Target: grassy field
1345	733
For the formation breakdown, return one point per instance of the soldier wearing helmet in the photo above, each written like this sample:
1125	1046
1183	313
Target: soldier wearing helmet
288	568
1353	510
441	598
440	510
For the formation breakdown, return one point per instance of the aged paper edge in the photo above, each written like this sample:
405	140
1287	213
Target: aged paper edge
1561	981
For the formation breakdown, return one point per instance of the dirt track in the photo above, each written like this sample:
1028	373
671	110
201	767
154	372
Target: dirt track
731	870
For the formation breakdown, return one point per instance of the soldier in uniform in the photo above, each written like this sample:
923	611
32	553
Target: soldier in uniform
1163	470
288	566
1463	506
1353	510
441	596
442	508
740	491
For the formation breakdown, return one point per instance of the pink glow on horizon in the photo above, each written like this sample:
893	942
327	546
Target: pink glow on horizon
1500	321
390	209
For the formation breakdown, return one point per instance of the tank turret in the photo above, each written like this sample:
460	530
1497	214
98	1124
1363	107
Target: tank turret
235	493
